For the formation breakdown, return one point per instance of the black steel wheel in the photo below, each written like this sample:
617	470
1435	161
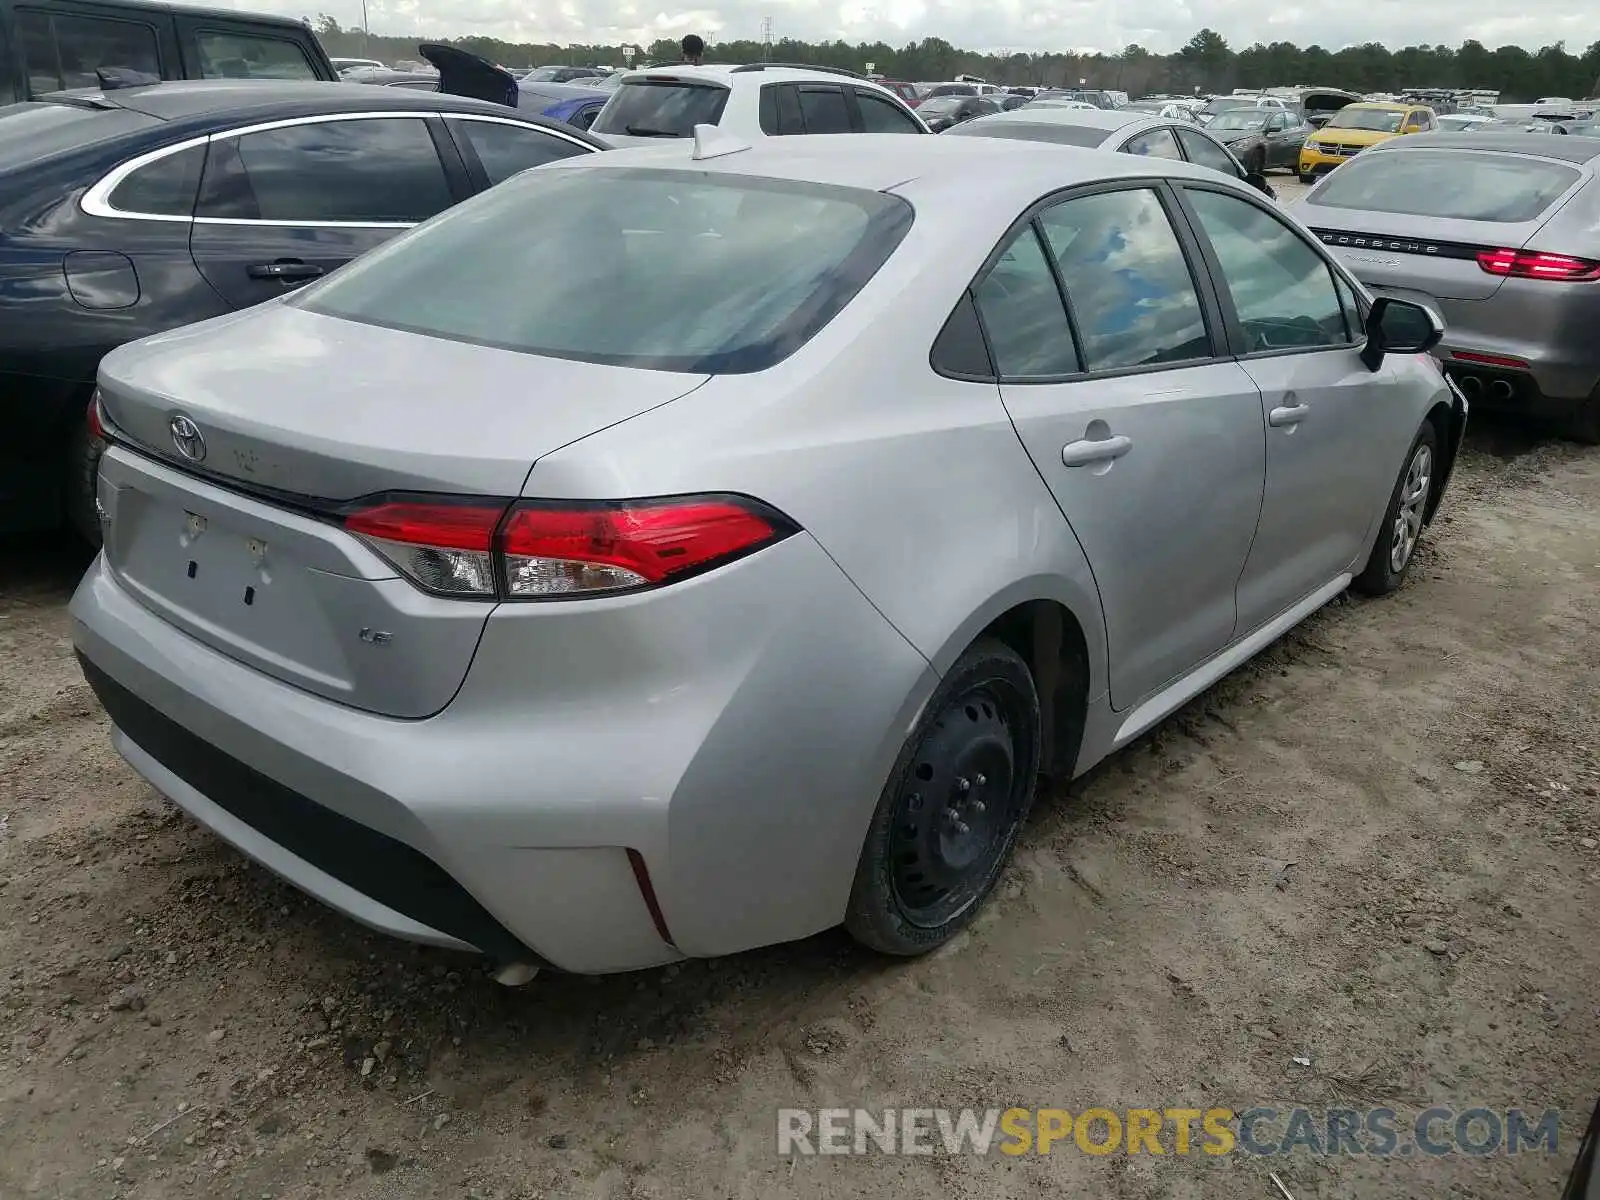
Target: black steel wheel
953	807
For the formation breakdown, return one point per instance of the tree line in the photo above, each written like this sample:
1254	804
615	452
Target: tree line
1205	63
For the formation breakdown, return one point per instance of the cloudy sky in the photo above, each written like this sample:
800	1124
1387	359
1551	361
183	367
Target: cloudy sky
990	25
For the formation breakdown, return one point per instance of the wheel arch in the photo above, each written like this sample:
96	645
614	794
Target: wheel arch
1062	639
1449	421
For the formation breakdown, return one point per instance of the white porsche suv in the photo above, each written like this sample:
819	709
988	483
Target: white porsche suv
752	101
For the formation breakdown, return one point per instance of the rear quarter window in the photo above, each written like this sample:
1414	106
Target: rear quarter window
1482	186
661	108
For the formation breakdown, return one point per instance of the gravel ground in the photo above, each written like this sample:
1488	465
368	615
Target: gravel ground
1360	871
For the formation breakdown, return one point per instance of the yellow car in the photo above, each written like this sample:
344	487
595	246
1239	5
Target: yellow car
1354	128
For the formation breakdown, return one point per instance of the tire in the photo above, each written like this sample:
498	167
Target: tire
1306	177
83	471
1258	162
1582	424
1401	529
958	796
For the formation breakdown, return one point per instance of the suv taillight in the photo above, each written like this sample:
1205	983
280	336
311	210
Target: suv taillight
1532	264
533	550
97	425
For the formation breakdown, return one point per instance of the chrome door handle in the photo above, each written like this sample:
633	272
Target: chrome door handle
1095	450
1288	414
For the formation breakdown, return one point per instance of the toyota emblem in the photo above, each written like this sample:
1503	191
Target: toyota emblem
187	438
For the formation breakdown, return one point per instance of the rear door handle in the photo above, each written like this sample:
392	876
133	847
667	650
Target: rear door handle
1287	414
286	270
1095	450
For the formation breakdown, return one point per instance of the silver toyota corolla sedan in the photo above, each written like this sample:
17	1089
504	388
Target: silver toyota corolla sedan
1497	233
715	544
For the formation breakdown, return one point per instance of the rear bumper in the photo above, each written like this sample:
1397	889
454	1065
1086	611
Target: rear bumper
733	731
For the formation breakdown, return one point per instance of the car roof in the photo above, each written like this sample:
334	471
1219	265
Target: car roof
1005	173
1382	105
181	99
1534	145
214	13
726	73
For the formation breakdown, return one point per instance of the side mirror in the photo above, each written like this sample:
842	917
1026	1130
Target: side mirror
1399	327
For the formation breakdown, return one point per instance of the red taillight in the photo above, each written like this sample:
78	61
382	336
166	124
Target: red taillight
97	428
1489	360
543	549
556	550
442	547
1534	264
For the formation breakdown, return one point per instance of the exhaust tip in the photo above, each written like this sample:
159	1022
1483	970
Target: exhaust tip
1501	389
1470	384
516	974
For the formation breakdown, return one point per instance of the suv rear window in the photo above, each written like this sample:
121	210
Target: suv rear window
661	108
666	270
1483	186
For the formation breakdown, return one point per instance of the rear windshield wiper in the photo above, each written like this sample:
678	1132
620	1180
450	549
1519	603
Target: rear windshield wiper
646	131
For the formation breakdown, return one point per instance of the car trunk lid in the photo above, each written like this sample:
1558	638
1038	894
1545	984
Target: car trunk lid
239	543
1386	250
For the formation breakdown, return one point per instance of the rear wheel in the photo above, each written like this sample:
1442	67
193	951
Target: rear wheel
1307	177
1402	520
1582	424
83	471
954	804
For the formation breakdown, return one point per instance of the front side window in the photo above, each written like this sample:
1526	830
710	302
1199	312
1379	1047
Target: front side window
880	116
504	149
250	56
383	171
1282	288
664	108
164	188
823	110
1203	152
64	51
1154	143
1127	280
560	263
1022	313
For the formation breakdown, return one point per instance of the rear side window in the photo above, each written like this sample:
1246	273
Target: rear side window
666	270
780	110
382	171
823	109
661	108
1203	152
1483	186
506	149
64	51
164	188
248	56
1154	143
1127	280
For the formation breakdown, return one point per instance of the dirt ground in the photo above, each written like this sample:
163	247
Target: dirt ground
174	1022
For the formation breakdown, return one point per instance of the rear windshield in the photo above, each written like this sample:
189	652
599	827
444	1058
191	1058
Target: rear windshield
1483	186
1033	131
661	108
666	270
